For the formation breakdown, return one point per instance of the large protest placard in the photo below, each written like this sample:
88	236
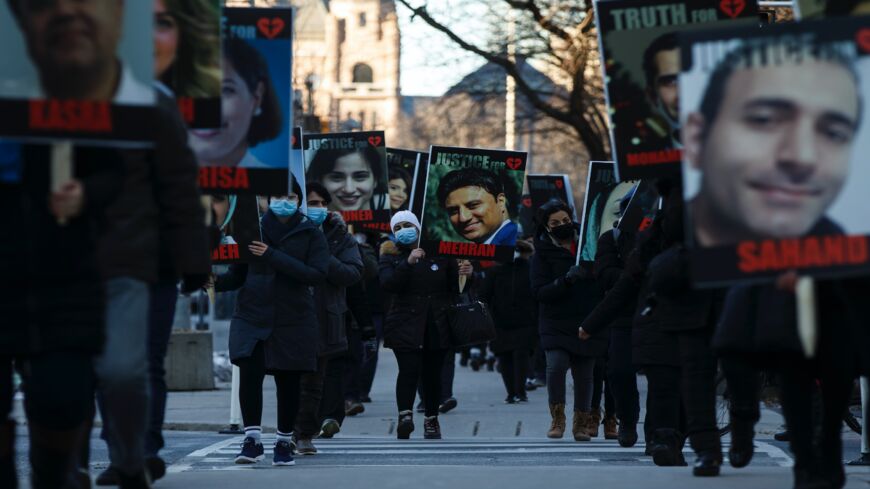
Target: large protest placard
641	209
250	152
407	169
640	61
237	217
187	57
526	217
815	9
352	166
602	205
471	203
775	173
87	79
543	188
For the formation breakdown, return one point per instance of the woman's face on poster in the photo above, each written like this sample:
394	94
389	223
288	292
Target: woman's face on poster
351	183
398	193
220	205
238	106
610	213
166	37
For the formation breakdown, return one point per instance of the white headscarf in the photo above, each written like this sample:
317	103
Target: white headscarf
404	216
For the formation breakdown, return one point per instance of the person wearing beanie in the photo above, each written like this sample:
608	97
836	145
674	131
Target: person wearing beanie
415	326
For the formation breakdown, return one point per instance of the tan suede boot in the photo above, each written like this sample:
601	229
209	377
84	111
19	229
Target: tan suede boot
581	426
557	426
611	432
594	422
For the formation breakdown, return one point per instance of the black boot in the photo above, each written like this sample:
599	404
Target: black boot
54	456
7	455
707	464
431	428
666	449
627	434
742	448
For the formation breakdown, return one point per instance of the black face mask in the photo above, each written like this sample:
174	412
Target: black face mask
563	231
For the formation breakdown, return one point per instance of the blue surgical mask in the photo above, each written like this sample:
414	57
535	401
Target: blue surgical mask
317	215
406	236
283	207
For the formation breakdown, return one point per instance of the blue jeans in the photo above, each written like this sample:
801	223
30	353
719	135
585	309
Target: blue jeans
122	373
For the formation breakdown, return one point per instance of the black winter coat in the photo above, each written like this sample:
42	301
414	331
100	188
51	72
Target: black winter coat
562	307
51	294
276	301
345	270
158	205
507	289
609	263
420	294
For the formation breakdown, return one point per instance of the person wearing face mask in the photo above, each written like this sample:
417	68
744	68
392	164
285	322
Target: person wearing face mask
415	326
507	290
566	293
322	390
274	328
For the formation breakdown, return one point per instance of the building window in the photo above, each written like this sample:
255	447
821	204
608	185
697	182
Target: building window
362	73
342	35
362	19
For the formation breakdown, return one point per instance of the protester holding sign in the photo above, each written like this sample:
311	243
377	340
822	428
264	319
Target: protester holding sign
274	329
566	293
52	301
415	326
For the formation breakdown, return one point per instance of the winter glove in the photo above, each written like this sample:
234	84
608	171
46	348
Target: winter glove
368	333
576	273
336	221
192	282
371	347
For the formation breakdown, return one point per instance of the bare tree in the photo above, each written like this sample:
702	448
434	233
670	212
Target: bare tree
558	34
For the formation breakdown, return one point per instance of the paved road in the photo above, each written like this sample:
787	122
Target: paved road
487	444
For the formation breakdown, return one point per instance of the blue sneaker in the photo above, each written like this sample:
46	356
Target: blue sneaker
283	454
252	452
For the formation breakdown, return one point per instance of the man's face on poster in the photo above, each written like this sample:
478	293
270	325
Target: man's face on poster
475	213
777	155
665	92
71	35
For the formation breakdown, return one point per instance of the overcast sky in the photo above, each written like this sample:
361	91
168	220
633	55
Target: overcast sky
431	63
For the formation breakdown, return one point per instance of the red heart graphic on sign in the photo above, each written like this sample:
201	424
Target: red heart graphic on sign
514	163
527	202
559	184
732	8
294	141
375	140
863	40
270	27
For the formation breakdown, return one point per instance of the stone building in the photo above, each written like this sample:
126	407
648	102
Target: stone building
346	62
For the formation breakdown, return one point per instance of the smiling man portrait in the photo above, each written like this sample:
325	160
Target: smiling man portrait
477	206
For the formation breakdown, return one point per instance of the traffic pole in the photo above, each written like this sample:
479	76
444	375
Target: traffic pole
864	459
235	408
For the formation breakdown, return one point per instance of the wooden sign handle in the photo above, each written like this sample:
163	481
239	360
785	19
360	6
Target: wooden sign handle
808	327
61	168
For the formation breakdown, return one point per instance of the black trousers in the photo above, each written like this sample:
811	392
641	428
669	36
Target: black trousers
664	403
353	366
698	372
448	374
601	387
370	363
622	377
59	390
514	370
161	314
332	402
310	395
423	366
252	371
799	379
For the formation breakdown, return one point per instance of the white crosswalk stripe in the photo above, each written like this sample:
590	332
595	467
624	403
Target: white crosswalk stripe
350	452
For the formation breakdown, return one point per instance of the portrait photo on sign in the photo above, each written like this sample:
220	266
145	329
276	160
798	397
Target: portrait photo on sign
472	198
250	151
402	166
81	71
237	217
604	203
187	57
352	167
816	9
641	63
775	173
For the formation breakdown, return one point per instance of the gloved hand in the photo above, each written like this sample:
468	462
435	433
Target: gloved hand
370	347
368	332
336	221
192	282
576	273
